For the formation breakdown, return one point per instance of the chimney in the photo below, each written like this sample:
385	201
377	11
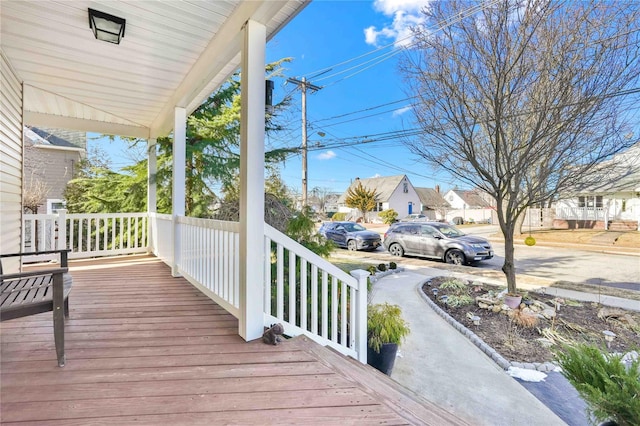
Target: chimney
438	189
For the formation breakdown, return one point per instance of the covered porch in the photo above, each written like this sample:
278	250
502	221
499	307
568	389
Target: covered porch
147	348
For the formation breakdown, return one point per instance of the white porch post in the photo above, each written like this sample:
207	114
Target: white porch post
178	189
152	190
252	251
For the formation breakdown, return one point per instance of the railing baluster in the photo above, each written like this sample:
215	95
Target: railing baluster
314	299
334	309
343	312
325	305
303	294
292	287
280	282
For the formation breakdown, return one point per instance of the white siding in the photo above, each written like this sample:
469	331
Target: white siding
10	158
399	200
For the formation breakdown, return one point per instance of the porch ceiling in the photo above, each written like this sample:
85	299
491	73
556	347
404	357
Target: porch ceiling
174	53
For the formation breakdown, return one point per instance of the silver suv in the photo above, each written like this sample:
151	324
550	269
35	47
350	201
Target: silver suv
436	239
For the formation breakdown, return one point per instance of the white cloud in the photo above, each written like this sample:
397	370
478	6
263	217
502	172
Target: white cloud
401	111
326	155
405	14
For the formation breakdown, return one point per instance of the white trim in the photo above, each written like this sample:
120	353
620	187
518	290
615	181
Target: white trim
59	148
38	119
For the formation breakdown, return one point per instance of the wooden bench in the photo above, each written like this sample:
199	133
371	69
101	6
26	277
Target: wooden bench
36	291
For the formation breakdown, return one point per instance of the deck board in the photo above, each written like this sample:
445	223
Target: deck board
144	347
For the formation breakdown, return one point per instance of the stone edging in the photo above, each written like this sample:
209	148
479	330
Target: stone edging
381	274
476	340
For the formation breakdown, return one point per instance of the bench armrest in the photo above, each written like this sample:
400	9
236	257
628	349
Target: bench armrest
63	256
34	273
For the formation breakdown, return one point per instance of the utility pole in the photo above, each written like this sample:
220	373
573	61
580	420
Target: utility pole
304	84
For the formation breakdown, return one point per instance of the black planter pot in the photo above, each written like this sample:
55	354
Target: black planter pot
384	360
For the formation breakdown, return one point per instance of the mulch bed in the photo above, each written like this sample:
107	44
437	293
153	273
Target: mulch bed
507	333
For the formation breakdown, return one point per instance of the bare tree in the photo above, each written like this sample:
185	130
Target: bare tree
321	195
35	193
522	98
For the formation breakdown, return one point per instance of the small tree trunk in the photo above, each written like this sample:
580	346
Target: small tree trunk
509	267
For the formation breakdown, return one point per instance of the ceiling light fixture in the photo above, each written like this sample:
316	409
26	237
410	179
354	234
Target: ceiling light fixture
106	27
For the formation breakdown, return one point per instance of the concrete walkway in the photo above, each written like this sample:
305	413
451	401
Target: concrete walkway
443	366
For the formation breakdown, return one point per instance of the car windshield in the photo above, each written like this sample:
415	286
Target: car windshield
450	231
351	227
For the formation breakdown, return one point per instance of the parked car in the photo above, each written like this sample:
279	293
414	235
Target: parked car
436	240
414	217
350	235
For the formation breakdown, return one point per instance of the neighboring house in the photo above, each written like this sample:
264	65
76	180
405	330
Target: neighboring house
50	159
394	192
469	205
611	200
432	203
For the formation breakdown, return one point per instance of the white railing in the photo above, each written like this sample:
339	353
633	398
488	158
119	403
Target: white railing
108	234
209	259
311	296
580	213
87	235
40	232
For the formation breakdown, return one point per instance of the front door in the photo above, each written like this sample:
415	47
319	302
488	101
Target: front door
410	207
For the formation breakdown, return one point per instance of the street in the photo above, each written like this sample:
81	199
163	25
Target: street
559	263
569	264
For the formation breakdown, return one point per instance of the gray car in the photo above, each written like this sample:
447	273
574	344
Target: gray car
350	235
436	240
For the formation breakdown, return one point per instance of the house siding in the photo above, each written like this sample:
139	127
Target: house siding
11	160
399	200
53	166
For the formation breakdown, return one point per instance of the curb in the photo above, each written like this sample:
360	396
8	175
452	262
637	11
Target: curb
544	367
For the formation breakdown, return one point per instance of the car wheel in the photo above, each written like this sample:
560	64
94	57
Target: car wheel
396	250
352	245
455	257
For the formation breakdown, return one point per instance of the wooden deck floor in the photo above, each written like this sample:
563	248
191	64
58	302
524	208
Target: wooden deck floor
146	348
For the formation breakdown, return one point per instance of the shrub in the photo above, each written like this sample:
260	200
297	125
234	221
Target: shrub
372	269
607	385
388	216
455	285
382	267
455	301
340	216
392	265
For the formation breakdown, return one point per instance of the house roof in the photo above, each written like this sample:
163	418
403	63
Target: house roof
173	54
472	198
39	136
431	198
384	186
619	174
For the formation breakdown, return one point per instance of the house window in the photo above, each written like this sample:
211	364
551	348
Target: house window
379	207
599	201
624	205
405	187
581	202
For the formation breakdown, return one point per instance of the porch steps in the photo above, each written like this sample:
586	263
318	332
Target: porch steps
623	225
406	403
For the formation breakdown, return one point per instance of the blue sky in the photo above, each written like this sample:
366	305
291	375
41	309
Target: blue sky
349	49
